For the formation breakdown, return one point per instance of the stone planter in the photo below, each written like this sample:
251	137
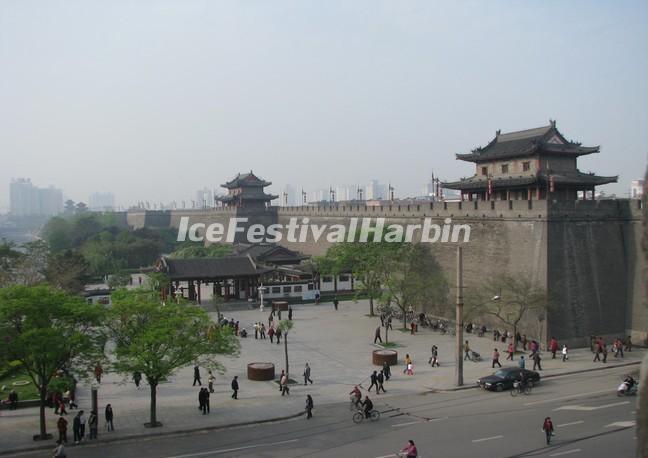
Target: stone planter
381	356
260	371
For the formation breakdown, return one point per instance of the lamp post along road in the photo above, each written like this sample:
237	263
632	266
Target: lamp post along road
459	319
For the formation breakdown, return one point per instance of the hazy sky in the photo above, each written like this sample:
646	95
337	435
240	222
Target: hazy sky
154	99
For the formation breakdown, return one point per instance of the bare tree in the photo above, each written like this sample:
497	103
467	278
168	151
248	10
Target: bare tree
519	296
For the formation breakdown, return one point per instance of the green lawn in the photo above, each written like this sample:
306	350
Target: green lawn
25	392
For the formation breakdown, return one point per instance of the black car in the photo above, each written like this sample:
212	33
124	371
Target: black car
503	378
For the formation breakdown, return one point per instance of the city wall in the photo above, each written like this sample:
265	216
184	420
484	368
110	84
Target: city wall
585	253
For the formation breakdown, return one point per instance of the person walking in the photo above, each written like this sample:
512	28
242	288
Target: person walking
511	351
521	362
553	347
467	351
201	400
256	330
336	303
605	352
205	401
82	426
93	424
283	384
61	426
628	343
410	369
262	330
98	371
496	357
386	370
13	400
618	348
197	376
408	362
597	352
235	387
76	427
536	361
374	381
548	429
271	333
307	372
137	378
564	353
109	418
380	378
290	313
210	380
309	407
377	335
278	335
270	319
389	323
434	358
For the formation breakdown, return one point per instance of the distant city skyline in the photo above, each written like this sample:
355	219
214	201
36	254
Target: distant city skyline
153	100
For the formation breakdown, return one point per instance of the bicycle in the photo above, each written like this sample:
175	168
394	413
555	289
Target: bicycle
518	388
359	416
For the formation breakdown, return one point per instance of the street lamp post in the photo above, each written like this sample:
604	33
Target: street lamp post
459	319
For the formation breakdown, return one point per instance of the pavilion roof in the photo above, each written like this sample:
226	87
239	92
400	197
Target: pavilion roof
562	178
539	140
211	268
246	180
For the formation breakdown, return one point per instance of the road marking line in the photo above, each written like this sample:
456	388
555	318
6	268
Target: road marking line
387	456
567	452
565	397
408	423
621	424
590	408
226	450
571	423
487	438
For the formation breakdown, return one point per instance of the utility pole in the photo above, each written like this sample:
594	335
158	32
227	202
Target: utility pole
459	319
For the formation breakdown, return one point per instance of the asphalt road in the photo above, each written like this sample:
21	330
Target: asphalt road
590	420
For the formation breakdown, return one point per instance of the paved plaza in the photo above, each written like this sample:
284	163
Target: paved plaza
336	344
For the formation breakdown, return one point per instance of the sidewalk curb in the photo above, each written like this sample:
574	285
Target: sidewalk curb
108	440
594	369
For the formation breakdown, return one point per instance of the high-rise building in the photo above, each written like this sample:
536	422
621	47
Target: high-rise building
376	190
289	196
102	201
636	189
204	198
27	199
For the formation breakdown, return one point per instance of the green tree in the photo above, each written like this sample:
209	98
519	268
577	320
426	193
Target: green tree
195	250
48	331
157	340
57	234
285	326
10	257
412	277
366	261
67	270
31	269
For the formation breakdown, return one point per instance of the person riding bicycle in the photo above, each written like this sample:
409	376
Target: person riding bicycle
368	406
356	396
524	380
629	381
410	449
